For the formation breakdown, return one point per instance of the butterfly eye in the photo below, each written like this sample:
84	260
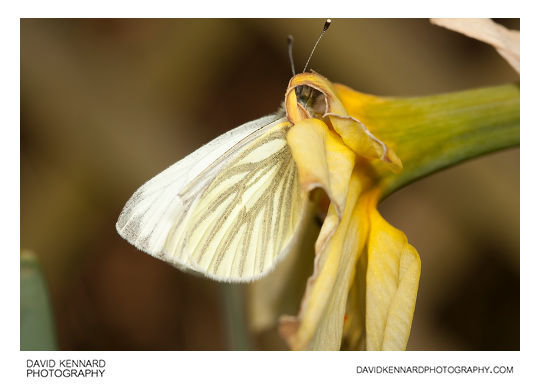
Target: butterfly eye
302	94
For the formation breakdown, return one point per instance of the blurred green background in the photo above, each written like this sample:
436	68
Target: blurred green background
107	104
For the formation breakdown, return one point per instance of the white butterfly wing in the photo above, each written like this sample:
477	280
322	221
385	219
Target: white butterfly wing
229	210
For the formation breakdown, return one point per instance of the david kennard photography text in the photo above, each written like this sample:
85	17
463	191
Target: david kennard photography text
65	368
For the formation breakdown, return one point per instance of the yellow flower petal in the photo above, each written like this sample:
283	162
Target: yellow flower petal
393	272
322	159
381	301
362	141
319	324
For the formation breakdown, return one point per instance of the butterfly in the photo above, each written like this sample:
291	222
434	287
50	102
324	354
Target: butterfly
231	210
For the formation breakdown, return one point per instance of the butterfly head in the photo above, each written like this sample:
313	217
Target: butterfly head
311	99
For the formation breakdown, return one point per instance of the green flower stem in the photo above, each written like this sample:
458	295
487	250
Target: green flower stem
37	323
435	132
236	324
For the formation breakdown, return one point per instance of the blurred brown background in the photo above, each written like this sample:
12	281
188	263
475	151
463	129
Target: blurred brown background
107	104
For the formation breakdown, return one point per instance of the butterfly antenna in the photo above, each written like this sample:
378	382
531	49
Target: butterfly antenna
289	45
325	28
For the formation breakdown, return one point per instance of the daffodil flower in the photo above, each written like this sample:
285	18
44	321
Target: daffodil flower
334	151
359	148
